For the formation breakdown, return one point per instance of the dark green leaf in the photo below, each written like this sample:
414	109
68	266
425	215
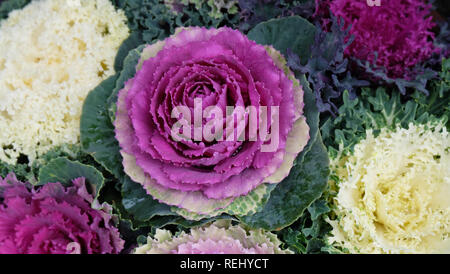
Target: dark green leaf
97	131
128	72
63	170
309	176
318	208
294	240
133	41
312	116
139	204
294	194
294	33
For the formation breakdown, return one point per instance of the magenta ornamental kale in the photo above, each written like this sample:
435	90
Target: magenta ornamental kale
399	31
220	68
54	220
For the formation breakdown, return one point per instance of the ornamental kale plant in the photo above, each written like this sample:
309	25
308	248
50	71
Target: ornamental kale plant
217	238
403	51
357	139
224	126
54	219
153	205
217	66
52	55
399	32
392	192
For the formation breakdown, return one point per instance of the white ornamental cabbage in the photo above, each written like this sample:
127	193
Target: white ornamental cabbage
52	53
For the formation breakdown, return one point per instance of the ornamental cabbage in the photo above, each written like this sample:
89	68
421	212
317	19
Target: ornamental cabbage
220	67
398	31
52	53
218	238
54	220
393	192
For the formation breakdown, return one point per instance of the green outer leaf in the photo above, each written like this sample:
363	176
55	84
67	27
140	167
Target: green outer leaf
243	205
312	116
306	182
98	139
309	176
294	32
251	203
141	205
63	170
97	131
133	41
129	70
303	186
178	220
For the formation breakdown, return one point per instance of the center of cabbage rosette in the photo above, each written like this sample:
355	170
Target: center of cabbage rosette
190	84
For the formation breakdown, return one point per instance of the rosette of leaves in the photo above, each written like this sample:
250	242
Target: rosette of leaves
278	208
373	109
407	79
220	237
61	213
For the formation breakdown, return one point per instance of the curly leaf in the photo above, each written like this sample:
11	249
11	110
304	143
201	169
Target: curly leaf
378	109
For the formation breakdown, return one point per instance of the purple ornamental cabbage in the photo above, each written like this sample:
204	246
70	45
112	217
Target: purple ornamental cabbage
399	31
54	220
218	238
222	67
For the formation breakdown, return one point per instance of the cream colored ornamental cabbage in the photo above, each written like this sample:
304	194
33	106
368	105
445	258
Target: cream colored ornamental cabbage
394	193
220	237
52	53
